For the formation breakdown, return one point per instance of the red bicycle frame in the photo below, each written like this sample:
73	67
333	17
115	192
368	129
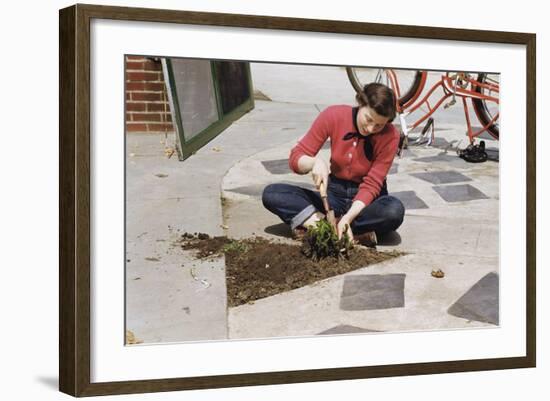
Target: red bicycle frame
455	85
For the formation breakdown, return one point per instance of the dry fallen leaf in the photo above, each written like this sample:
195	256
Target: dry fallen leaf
169	152
438	273
131	338
216	149
224	226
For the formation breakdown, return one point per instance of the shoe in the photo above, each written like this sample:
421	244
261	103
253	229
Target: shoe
367	239
299	233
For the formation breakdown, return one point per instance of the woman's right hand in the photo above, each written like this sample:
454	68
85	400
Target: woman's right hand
320	172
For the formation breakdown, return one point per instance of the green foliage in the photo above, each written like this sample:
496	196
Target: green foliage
322	241
235	246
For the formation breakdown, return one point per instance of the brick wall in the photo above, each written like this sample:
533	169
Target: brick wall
147	107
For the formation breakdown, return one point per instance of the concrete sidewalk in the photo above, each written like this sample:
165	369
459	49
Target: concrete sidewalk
451	224
166	300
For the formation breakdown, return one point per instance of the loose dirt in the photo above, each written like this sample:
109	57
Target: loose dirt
257	268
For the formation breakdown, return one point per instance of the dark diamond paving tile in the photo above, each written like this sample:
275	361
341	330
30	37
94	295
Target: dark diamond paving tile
251	190
346	329
257	189
459	193
277	166
441	177
492	154
394	168
479	303
373	291
410	200
448	159
484	135
301	184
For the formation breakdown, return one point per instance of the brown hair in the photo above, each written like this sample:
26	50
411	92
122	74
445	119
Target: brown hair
378	97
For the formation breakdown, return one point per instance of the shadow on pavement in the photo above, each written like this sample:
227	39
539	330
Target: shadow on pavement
392	238
280	230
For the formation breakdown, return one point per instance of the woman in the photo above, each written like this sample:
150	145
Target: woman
363	144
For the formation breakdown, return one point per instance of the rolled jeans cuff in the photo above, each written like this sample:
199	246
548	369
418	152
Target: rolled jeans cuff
302	216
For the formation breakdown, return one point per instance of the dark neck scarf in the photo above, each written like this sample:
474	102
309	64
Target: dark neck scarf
367	145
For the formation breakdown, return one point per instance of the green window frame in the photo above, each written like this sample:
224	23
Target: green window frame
187	147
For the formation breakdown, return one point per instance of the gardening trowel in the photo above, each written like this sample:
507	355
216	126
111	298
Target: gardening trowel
330	213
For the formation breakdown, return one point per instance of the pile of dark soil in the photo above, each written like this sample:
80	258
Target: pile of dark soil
257	268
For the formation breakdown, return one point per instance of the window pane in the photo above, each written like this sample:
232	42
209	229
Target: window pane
233	83
195	94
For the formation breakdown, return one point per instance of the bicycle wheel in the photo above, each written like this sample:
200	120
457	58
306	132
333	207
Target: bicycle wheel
487	110
409	81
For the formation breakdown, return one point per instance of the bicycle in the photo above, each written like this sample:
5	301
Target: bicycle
408	85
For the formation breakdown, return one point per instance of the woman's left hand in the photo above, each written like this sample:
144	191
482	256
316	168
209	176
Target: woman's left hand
343	225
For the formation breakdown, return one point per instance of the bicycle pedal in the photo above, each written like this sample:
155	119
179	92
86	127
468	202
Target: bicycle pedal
451	103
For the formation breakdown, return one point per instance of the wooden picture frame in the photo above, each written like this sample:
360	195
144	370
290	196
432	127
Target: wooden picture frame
75	209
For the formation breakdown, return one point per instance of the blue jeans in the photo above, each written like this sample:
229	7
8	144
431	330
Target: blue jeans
294	205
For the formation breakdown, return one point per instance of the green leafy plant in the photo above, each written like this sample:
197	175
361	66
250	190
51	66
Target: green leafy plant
235	246
321	241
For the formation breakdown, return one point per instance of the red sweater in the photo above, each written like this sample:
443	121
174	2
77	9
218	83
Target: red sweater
348	160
